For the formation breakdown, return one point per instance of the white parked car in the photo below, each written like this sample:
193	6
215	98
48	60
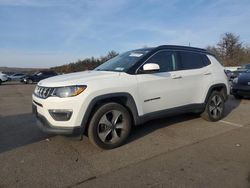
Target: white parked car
17	77
3	78
130	89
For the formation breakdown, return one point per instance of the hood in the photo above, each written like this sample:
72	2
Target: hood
244	78
78	78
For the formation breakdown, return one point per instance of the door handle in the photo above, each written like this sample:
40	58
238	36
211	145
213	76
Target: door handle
176	76
207	73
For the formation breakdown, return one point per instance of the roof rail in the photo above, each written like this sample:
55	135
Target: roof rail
175	47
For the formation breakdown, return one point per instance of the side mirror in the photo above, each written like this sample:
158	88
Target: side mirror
151	67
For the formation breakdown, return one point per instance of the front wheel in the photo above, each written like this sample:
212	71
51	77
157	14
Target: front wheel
214	107
0	82
110	126
29	81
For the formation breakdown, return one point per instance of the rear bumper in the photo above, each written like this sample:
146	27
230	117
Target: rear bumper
45	126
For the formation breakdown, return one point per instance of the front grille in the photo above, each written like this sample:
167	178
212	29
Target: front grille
43	92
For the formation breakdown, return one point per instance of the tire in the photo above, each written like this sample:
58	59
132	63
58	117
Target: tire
238	96
29	81
0	82
215	106
109	126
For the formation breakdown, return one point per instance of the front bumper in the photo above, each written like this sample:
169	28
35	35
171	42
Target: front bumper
47	127
5	79
242	90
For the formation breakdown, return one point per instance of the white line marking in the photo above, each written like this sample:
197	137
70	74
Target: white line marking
230	123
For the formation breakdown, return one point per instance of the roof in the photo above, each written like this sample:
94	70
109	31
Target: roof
176	47
188	48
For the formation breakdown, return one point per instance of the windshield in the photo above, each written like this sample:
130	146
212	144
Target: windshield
247	66
37	74
123	62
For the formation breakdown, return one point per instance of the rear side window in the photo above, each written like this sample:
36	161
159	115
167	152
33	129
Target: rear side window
166	60
205	59
190	60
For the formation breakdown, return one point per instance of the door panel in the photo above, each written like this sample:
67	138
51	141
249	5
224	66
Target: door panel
197	75
160	91
194	84
182	81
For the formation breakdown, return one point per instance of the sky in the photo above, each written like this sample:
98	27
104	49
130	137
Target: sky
47	33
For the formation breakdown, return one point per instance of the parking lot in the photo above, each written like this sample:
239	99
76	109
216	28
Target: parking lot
181	151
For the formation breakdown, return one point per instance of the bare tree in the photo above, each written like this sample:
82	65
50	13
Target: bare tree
230	50
85	64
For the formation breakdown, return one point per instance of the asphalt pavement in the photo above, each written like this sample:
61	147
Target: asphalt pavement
181	151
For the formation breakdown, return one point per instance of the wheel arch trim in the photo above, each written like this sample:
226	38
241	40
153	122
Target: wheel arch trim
129	103
213	87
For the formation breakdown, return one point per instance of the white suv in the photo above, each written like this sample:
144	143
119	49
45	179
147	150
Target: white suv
130	89
3	78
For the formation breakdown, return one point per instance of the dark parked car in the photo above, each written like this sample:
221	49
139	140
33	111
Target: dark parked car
38	76
242	69
241	85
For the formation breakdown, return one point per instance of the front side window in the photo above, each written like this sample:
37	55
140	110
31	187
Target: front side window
166	60
190	60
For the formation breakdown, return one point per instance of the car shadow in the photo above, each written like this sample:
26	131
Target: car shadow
153	125
10	83
230	105
19	130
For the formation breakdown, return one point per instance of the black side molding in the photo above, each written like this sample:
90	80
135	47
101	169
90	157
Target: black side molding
196	108
129	103
214	87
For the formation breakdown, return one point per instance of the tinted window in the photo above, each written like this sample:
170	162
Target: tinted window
205	59
190	60
166	60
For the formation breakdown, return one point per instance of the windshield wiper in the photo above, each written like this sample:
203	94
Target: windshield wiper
102	70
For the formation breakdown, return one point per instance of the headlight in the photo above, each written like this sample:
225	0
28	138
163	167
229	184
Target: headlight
235	81
69	91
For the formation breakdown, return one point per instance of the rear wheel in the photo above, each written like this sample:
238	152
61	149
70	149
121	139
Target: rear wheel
214	107
110	126
0	82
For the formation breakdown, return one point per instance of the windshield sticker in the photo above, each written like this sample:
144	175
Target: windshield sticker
119	68
133	54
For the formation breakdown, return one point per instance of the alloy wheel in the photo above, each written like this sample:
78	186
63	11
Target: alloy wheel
216	107
111	127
